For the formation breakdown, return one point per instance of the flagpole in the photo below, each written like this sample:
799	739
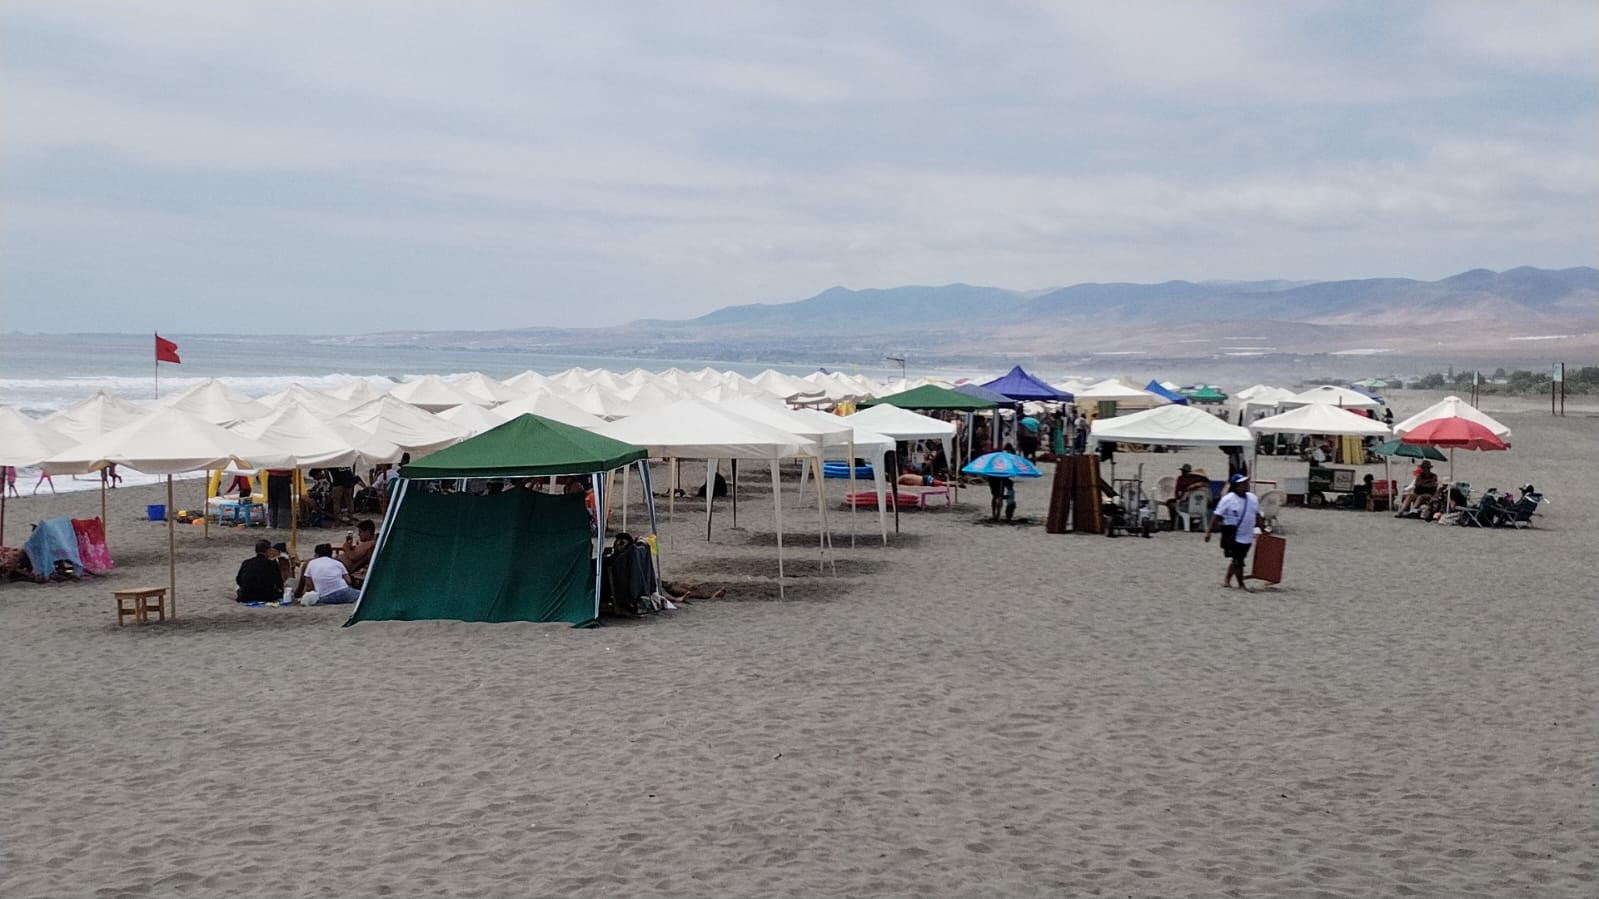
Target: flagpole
157	369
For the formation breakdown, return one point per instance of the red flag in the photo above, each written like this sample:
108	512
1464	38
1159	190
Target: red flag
166	350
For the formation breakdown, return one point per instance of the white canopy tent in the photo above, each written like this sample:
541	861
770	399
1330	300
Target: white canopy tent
527	382
25	441
1452	407
1112	390
354	392
299	394
863	443
168	441
474	418
484	389
92	416
1169	426
1332	395
548	405
903	424
1320	418
690	429
432	393
315	441
404	425
215	402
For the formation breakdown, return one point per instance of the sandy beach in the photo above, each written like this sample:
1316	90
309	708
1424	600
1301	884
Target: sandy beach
975	709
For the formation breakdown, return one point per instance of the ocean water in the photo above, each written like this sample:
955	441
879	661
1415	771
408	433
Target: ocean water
42	373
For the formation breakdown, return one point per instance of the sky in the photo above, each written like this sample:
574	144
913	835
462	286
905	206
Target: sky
362	166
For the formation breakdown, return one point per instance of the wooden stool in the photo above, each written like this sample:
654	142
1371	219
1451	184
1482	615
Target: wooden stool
140	602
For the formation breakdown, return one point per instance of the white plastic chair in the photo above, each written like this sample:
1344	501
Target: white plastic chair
1195	505
1271	505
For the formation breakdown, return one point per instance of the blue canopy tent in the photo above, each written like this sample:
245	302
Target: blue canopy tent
1160	390
1018	385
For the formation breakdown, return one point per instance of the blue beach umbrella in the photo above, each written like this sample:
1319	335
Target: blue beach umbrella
1002	465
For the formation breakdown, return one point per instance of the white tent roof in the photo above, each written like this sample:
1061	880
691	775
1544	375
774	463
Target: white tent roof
527	382
299	394
867	442
315	440
695	430
784	386
1170	426
1112	389
474	418
215	402
485	389
354	392
901	424
1450	407
1261	391
169	441
649	395
25	440
1262	396
90	417
1320	418
598	400
1332	395
433	393
404	425
548	405
819	431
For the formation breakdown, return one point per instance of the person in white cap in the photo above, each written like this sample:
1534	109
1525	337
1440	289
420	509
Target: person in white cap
1237	513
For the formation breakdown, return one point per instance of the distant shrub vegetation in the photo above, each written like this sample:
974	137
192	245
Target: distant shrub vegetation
1578	381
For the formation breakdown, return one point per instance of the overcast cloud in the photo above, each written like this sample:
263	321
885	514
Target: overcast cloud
375	166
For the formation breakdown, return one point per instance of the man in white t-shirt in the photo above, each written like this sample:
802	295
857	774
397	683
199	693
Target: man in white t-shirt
1237	513
328	577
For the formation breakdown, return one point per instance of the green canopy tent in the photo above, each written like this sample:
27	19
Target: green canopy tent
517	555
1205	394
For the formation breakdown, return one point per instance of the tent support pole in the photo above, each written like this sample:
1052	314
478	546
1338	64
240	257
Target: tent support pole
851	462
205	506
711	465
103	479
825	538
599	538
172	552
649	503
893	486
777	506
734	491
383	540
626	489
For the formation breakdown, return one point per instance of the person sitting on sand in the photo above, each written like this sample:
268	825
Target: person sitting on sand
328	578
1187	482
259	578
357	555
1425	487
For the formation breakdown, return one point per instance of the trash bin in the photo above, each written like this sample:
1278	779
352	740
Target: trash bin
156	513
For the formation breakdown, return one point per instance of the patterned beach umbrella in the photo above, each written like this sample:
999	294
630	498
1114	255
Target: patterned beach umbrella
1455	433
1002	465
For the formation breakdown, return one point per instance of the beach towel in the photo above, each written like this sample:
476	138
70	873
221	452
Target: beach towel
92	550
53	541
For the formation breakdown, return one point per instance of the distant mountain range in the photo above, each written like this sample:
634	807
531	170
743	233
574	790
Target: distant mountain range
1521	314
1527	293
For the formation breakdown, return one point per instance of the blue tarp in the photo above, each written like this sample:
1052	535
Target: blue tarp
1019	385
1176	398
52	541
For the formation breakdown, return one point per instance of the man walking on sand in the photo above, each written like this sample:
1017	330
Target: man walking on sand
1237	513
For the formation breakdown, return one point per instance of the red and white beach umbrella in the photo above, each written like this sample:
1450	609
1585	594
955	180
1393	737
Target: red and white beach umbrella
1454	433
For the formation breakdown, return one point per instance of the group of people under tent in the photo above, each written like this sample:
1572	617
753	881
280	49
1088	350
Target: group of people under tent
332	576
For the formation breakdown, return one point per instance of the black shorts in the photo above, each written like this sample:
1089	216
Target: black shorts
1230	547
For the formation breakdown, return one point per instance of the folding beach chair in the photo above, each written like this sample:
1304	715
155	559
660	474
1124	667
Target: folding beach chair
1521	513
